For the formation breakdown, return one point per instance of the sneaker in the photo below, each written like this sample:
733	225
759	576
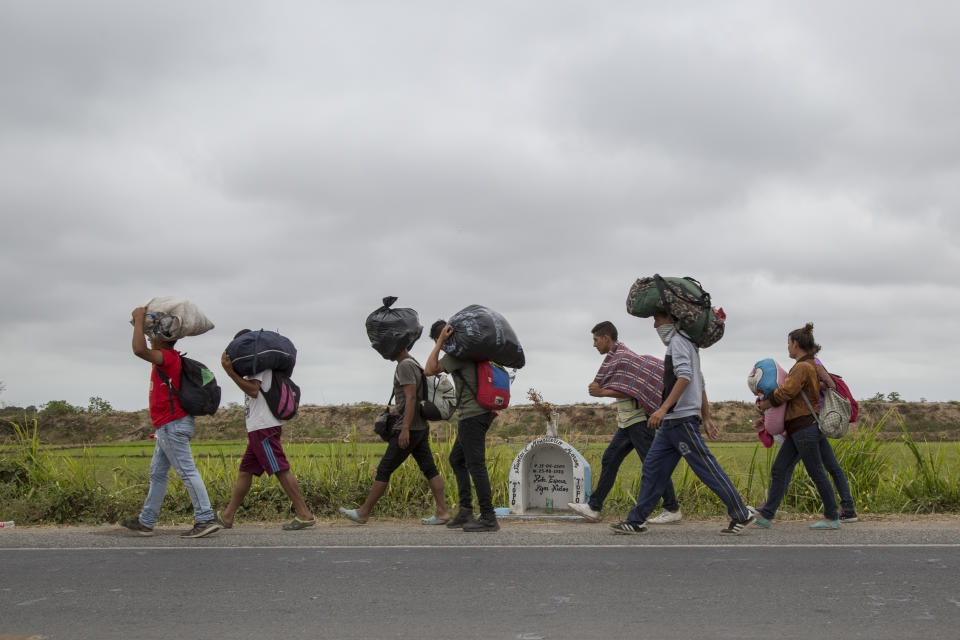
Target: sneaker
628	528
201	529
848	516
826	524
483	523
666	517
583	509
736	528
462	518
136	525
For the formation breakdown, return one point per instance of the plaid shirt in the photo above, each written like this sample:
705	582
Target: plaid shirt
640	377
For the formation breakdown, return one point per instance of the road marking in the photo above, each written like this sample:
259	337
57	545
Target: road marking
501	546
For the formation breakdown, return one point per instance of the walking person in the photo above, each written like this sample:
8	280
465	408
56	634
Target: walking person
803	438
174	430
848	511
413	439
636	384
264	453
678	421
468	457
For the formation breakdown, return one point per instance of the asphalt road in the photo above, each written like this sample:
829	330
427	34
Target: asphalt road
532	580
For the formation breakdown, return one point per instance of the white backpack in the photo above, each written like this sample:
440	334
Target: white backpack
440	392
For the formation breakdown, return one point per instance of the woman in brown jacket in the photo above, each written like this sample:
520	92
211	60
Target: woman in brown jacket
802	433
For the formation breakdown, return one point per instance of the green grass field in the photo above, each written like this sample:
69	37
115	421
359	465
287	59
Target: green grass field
102	483
735	457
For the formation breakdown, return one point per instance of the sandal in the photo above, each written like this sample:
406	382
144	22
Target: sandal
434	520
351	514
297	524
220	521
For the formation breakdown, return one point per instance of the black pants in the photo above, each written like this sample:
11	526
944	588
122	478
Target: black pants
469	460
419	448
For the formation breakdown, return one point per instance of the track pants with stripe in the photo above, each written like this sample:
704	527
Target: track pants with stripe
681	439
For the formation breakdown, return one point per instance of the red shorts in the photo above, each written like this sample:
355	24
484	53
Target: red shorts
264	452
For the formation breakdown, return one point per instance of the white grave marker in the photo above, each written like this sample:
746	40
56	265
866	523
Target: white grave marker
546	475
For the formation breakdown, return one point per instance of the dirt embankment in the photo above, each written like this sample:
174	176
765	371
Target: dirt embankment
925	421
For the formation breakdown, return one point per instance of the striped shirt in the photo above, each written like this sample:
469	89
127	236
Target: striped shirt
639	377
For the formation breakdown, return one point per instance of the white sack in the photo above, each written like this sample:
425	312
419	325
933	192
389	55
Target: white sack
172	318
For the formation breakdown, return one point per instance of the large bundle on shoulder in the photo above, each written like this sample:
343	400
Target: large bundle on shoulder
174	317
256	351
484	336
480	333
392	330
684	300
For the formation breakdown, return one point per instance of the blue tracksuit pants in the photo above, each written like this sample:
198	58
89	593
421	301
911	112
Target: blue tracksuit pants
676	439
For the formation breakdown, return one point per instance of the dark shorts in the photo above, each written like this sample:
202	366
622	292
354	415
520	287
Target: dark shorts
419	448
264	452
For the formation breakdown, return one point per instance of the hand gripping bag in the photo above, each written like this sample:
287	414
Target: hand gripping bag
392	330
480	333
684	300
257	351
173	317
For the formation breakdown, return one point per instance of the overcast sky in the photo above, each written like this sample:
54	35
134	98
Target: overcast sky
286	165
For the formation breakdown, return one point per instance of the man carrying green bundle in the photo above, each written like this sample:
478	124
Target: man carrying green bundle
636	383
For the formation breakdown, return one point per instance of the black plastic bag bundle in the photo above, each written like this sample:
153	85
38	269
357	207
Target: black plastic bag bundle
393	330
480	333
257	351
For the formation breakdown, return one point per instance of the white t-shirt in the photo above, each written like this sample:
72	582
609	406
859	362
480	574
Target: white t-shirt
257	413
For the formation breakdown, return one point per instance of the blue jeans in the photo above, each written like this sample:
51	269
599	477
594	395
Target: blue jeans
637	437
804	444
682	439
832	466
173	450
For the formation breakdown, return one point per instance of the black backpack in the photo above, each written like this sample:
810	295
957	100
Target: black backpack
199	393
283	397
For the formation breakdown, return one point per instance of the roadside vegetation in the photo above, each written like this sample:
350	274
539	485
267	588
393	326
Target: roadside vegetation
40	484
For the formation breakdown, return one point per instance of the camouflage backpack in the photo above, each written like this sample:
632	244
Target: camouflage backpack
684	300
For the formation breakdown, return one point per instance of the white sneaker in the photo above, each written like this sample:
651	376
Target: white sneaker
666	517
584	510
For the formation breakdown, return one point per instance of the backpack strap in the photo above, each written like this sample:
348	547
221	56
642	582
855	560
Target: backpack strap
816	416
165	379
422	391
463	383
827	381
661	290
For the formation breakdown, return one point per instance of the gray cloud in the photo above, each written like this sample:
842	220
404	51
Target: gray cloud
287	169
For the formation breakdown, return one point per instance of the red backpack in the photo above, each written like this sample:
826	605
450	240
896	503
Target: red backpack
493	386
844	392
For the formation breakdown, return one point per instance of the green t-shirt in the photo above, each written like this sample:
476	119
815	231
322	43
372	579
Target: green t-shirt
464	374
